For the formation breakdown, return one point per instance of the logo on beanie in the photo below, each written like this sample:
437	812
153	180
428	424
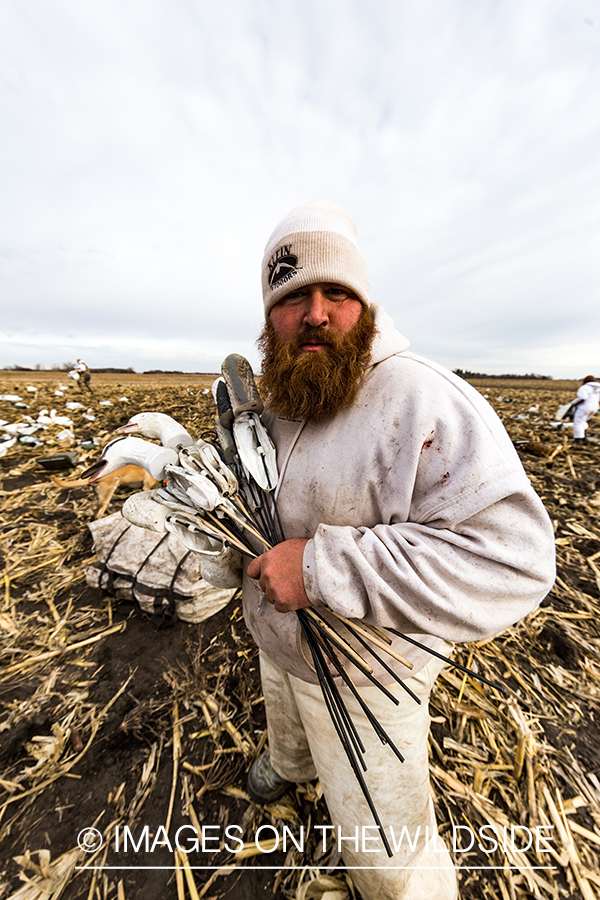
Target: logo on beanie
283	265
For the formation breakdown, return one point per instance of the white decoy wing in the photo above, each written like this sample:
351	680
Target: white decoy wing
204	458
193	538
202	492
256	449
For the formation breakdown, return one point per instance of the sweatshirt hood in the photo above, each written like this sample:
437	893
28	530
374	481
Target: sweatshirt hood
388	341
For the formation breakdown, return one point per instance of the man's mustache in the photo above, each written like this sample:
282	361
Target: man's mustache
319	335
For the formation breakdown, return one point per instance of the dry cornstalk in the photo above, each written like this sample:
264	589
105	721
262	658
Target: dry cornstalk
562	827
250	849
189	875
179	875
176	755
42	657
244	745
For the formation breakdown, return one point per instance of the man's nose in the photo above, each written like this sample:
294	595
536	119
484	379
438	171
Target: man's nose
317	310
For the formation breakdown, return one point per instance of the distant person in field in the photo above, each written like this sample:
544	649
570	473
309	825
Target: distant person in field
80	373
586	404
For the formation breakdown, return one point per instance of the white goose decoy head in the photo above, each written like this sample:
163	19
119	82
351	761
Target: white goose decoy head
160	427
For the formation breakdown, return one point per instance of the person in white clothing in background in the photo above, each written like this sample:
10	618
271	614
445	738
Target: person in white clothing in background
80	373
586	404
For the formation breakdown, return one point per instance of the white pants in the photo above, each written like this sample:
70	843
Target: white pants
582	413
304	745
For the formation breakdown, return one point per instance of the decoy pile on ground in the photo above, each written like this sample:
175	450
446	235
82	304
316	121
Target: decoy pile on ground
107	722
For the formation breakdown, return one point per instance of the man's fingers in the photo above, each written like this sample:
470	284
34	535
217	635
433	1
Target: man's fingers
279	573
254	568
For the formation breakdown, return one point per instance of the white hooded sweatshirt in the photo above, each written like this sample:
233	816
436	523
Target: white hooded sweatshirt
418	512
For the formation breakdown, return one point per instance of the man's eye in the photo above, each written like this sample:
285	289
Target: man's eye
337	294
294	297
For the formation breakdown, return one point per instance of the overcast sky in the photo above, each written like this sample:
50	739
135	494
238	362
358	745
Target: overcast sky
149	147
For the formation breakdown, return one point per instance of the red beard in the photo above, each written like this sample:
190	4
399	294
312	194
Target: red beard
315	386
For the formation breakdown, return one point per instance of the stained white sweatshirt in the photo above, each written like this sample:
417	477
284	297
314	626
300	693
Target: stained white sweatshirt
418	512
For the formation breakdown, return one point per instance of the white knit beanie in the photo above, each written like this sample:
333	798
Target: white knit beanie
315	242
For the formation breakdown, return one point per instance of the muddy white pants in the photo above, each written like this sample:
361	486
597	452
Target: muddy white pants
304	745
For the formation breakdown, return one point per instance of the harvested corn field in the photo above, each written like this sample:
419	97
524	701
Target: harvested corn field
110	722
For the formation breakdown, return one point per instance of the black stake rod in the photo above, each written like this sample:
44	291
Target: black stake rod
451	662
359	775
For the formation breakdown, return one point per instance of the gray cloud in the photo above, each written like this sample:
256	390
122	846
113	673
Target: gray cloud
149	149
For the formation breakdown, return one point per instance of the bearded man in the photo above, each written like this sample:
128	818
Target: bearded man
405	505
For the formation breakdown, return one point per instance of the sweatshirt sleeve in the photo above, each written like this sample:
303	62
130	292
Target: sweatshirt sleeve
460	583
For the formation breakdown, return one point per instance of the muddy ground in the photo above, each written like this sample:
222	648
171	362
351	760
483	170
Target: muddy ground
130	733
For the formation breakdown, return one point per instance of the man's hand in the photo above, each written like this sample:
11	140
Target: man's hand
279	573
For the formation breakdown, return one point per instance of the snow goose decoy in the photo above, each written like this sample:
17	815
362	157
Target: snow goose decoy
127	451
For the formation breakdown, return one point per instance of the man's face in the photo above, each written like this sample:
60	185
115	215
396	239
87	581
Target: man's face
328	307
316	347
